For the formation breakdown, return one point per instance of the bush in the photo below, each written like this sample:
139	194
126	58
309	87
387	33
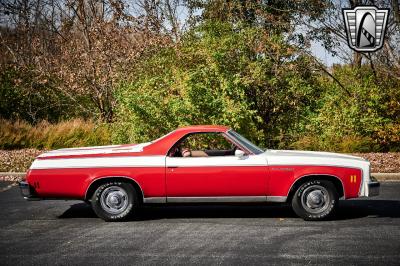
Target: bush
346	144
25	97
363	116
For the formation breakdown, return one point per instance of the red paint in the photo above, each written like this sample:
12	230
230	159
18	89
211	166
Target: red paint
216	181
282	177
73	183
190	181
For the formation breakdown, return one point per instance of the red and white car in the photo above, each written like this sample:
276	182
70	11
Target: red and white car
198	164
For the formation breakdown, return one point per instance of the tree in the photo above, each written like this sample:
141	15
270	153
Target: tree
220	74
329	30
80	48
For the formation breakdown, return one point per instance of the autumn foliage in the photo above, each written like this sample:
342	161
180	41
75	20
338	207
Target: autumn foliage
84	72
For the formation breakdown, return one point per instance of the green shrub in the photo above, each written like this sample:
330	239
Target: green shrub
24	96
361	116
220	74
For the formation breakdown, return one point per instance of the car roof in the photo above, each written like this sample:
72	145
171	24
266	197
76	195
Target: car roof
204	128
163	144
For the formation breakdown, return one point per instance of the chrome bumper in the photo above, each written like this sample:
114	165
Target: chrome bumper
27	191
373	187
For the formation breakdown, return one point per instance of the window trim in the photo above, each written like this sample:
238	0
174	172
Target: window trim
224	134
231	133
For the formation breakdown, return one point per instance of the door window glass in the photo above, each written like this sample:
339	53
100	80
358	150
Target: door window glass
203	145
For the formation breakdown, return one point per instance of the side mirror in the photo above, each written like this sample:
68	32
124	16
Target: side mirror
240	154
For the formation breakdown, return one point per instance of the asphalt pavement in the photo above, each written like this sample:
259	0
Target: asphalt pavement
365	231
5	185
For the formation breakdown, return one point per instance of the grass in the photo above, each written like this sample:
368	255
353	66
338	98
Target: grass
45	136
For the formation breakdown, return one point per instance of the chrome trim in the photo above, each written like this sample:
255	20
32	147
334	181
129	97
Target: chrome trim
276	198
315	199
24	188
223	133
236	142
373	189
218	199
105	177
27	192
155	200
114	200
215	199
363	179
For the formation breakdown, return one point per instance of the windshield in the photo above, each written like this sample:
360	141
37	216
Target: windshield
245	142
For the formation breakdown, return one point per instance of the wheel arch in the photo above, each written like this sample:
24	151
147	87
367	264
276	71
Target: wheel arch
98	181
337	182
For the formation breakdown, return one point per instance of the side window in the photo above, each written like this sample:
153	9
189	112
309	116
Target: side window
203	145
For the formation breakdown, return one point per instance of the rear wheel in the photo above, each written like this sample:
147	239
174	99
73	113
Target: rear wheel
114	201
315	200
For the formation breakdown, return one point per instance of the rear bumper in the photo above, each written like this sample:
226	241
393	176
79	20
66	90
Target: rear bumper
27	191
373	187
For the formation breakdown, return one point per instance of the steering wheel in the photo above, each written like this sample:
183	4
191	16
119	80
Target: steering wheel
176	151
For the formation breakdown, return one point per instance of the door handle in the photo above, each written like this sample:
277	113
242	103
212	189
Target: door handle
172	166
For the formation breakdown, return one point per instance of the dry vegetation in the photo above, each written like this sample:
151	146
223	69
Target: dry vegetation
73	133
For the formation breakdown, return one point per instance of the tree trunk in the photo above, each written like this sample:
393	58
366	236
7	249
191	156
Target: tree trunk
396	12
357	59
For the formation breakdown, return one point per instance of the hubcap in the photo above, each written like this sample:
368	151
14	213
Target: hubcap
114	200
315	199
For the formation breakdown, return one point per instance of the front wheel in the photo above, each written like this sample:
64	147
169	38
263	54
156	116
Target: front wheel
114	201
315	200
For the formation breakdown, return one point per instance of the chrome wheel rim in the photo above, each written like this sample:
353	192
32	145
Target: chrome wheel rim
114	200
315	199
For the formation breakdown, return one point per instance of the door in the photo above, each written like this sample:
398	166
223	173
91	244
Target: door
203	167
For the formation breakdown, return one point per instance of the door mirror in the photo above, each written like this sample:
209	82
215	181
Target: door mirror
240	154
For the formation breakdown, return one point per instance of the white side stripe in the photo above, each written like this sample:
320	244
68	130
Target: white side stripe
95	150
148	161
139	161
216	161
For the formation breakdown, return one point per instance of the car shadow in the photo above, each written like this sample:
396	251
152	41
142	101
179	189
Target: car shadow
79	210
348	209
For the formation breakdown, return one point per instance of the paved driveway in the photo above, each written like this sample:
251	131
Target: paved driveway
68	232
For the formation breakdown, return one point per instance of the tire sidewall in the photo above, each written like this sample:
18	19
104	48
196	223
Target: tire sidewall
105	215
333	201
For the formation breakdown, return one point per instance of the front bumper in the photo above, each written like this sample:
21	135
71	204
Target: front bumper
27	191
373	187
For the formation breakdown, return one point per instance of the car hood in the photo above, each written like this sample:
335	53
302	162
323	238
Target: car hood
312	154
289	157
